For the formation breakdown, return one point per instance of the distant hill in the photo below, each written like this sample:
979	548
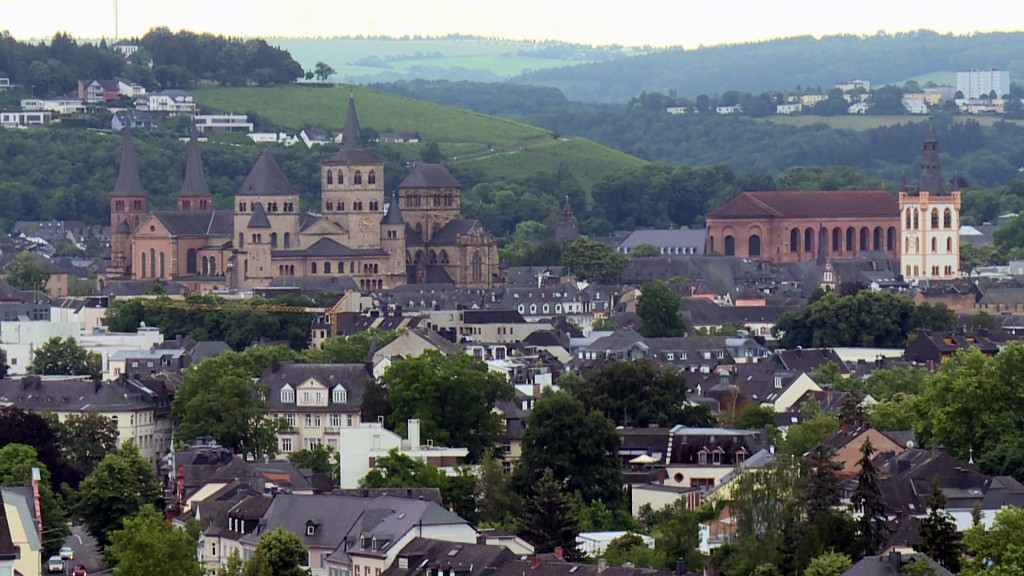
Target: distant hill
785	64
383	59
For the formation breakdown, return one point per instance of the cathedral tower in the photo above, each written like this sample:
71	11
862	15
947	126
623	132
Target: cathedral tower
128	206
930	223
266	218
194	194
352	184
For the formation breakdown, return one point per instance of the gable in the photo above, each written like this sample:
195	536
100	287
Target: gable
152	227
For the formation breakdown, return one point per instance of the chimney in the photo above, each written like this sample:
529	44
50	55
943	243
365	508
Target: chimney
662	474
559	553
536	389
602	565
896	561
534	561
35	496
680	567
414	433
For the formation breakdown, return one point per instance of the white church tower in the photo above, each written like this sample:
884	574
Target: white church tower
930	223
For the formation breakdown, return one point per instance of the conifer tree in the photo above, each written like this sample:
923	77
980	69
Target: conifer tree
548	520
821	485
938	532
867	500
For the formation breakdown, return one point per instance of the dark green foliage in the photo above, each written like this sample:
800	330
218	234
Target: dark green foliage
867	500
25	273
871	319
938	530
16	464
354	349
400	471
498	504
452	396
86	439
579	447
149	544
637	393
208	317
548	521
320	459
594	261
820	487
20	427
755	417
123	484
658	308
279	553
65	357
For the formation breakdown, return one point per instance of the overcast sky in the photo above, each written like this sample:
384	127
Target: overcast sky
655	22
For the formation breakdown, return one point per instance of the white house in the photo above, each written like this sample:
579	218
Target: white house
789	108
24	119
361	446
222	123
169	101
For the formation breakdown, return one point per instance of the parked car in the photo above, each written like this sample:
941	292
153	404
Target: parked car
67	553
55	565
79	571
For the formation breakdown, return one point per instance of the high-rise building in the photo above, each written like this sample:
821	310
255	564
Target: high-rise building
978	83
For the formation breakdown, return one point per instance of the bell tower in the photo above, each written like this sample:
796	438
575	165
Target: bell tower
128	206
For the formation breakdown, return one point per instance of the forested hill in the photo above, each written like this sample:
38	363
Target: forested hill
785	64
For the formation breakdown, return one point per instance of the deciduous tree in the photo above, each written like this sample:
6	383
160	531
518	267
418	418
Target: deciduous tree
594	261
25	273
148	544
638	393
123	484
279	553
85	439
996	550
658	308
829	564
66	357
16	464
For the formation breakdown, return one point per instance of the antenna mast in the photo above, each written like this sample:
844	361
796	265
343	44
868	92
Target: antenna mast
117	35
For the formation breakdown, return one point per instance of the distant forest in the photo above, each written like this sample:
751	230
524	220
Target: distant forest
179	59
785	64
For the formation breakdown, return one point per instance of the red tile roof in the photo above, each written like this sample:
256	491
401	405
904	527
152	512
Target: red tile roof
810	204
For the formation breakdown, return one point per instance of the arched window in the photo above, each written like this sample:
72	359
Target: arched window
206	266
341	177
906	246
890	239
213	266
287	239
371	178
152	263
794	240
273	239
241	240
419	257
444	256
850	239
949	244
327	267
837	240
730	245
477	266
312	268
935	218
190	261
947	218
754	245
163	266
878	238
330	177
907	225
865	239
358	178
935	245
433	257
143	268
916	221
809	240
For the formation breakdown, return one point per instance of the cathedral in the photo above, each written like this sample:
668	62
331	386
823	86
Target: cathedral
418	236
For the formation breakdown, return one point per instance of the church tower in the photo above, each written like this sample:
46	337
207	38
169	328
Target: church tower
392	241
194	195
568	230
128	206
930	223
352	184
266	218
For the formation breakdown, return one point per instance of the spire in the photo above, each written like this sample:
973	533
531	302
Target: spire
266	179
393	217
128	183
195	183
352	138
931	173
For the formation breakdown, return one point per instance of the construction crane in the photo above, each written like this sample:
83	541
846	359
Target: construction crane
230	306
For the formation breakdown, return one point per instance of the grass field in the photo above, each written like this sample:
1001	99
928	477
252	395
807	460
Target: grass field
862	122
500	57
296	107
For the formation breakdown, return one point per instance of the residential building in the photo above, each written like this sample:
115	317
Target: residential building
126	47
812	99
398	137
701	457
896	564
975	83
361	446
222	123
129	89
676	110
914	105
794	108
169	101
58	105
725	110
134	119
20	531
930	222
98	91
25	119
851	85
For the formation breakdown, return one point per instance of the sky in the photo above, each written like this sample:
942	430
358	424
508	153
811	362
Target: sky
687	23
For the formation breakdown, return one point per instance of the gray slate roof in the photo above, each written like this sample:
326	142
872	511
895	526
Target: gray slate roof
327	248
429	176
215	223
259	217
128	183
195	183
352	377
266	179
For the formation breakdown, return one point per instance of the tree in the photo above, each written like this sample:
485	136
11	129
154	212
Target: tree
354	349
581	449
802	437
122	485
25	273
20	427
317	459
279	553
149	544
548	520
66	357
821	488
85	439
644	251
4	366
638	393
630	548
867	500
218	398
594	261
452	396
828	564
323	71
431	153
16	464
938	532
755	417
396	470
658	308
995	551
498	503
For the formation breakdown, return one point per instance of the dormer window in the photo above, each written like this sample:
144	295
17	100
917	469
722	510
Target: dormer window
287	394
778	381
702	456
310	528
339	395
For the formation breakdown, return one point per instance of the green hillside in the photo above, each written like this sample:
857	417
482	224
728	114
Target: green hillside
295	107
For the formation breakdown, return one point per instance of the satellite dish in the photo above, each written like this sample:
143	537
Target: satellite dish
910	444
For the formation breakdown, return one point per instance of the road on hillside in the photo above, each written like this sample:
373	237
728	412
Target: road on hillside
87	552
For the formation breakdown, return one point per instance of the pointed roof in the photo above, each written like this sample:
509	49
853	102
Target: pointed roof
393	217
351	151
128	183
931	171
195	183
259	217
429	176
266	179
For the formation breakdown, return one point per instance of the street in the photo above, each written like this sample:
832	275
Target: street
86	550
